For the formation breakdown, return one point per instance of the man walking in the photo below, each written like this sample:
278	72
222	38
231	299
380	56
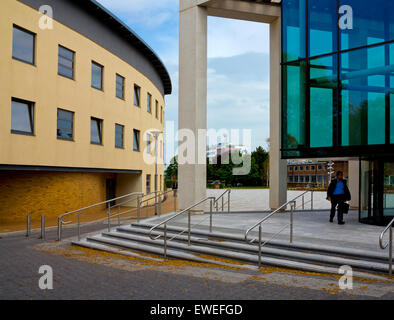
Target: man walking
338	193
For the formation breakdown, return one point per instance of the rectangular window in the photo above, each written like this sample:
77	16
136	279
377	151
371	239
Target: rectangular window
22	117
161	114
147	183
23	45
119	129
65	124
148	143
119	86
96	131
149	103
157	110
97	76
136	140
65	65
137	92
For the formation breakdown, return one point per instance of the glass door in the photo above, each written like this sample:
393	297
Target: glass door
388	191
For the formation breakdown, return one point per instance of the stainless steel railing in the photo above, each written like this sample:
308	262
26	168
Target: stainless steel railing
79	212
188	210
388	244
216	203
292	204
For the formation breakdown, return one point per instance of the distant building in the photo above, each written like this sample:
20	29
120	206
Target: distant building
223	149
313	173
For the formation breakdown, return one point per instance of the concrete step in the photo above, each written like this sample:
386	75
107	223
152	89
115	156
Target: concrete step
181	251
296	246
140	234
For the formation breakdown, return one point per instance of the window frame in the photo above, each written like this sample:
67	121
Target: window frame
102	75
157	109
138	140
149	103
72	124
31	111
14	26
117	75
138	88
73	62
122	126
100	128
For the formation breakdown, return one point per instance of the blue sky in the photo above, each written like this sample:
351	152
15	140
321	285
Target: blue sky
238	63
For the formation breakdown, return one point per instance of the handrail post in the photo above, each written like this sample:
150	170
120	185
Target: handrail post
159	204
118	215
165	241
174	200
222	204
228	201
311	199
43	227
138	209
291	222
210	218
79	226
109	218
28	224
188	227
391	252
59	229
260	246
217	206
303	202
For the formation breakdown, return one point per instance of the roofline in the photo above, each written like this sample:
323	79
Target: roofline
137	42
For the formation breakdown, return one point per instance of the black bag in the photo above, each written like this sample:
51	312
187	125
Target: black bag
346	207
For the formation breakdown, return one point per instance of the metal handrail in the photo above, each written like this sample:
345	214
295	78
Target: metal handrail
216	202
292	204
212	199
388	244
60	218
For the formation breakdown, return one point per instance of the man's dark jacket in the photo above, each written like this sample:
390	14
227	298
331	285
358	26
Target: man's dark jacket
332	186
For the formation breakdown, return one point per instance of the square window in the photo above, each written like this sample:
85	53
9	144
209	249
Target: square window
96	131
119	129
65	66
22	117
149	103
136	140
137	92
65	124
119	86
97	76
23	45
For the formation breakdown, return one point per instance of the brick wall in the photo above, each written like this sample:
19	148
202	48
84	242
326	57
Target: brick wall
49	193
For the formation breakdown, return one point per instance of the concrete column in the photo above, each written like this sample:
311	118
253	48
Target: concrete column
192	99
354	182
278	167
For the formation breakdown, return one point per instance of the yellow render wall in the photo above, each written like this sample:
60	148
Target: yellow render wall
42	85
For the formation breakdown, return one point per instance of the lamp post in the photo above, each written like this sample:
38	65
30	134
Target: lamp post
156	135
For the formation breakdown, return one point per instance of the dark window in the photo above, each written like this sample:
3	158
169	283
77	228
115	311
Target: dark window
149	103
312	168
161	114
157	110
319	167
65	124
22	117
301	168
97	76
295	168
96	131
23	45
148	183
306	168
119	129
137	96
65	66
136	140
295	178
119	86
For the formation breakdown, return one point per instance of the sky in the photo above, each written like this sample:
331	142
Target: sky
238	64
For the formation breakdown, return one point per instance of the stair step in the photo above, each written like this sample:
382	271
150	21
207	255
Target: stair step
176	251
348	252
243	247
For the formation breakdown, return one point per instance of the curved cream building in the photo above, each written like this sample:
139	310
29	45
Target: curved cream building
77	100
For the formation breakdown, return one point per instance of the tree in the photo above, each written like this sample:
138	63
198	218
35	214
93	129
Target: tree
261	159
172	169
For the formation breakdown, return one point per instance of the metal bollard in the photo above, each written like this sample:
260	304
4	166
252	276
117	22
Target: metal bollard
165	241
109	218
260	246
79	226
43	235
28	225
291	222
228	202
118	215
312	200
59	229
210	218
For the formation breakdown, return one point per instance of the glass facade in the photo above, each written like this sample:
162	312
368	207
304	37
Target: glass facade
337	78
